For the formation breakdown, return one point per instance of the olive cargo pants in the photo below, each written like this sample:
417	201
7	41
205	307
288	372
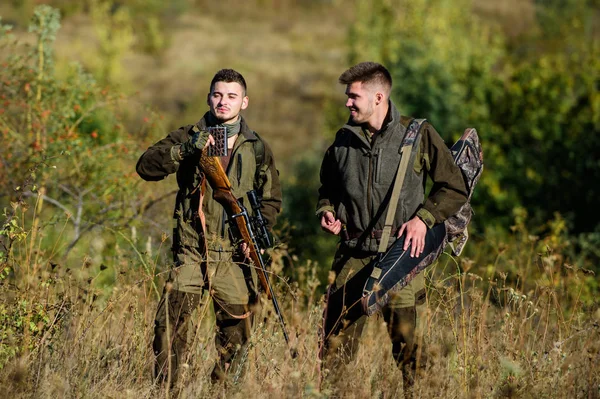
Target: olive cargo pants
230	284
344	321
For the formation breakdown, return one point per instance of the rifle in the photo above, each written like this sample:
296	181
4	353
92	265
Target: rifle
251	231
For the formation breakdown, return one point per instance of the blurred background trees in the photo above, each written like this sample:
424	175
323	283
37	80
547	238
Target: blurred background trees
118	75
529	84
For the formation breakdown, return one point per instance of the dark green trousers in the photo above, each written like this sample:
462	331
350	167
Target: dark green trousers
344	320
171	336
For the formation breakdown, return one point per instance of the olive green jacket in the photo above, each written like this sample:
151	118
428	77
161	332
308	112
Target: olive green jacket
357	176
158	162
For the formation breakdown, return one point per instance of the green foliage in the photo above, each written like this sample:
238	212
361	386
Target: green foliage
67	171
69	126
305	237
114	30
27	322
550	117
45	24
529	262
538	117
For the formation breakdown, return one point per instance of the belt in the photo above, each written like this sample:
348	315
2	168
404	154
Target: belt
374	234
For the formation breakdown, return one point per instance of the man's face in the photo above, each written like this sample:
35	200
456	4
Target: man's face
360	102
226	100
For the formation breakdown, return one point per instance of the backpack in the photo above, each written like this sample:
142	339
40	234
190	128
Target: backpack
468	156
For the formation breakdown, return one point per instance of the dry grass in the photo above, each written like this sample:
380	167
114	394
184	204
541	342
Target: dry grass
484	339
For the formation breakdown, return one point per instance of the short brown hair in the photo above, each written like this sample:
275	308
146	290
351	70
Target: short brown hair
228	76
369	73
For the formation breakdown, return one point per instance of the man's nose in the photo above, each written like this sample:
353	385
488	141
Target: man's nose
349	103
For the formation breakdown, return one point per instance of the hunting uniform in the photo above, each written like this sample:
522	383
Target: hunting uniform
357	175
205	260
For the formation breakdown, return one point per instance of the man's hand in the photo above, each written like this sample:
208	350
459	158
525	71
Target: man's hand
415	234
197	142
330	224
246	250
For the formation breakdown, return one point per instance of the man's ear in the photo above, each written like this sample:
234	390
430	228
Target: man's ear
379	97
245	102
208	99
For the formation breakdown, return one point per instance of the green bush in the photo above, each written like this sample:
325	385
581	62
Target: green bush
67	171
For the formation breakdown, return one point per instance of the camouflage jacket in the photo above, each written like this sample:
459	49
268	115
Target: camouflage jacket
157	163
357	175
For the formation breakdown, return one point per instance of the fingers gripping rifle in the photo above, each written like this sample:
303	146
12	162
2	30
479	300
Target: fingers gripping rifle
253	231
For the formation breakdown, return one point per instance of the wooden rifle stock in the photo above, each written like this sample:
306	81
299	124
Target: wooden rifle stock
223	194
217	178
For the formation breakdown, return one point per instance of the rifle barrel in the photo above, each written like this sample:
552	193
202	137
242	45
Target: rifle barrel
223	194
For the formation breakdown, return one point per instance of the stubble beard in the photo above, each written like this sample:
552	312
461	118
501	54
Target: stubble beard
222	118
362	117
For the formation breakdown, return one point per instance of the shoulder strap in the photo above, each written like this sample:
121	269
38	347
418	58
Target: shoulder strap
259	154
412	132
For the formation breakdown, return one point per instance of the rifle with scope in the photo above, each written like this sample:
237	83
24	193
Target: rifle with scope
251	230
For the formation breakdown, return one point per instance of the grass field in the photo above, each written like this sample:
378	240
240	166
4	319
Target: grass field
488	333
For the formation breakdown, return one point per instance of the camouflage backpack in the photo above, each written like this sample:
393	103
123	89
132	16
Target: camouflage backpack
468	156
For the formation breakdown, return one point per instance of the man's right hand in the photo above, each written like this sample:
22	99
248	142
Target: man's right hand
330	224
197	142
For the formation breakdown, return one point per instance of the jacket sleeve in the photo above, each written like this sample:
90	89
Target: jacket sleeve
162	158
330	189
448	192
271	189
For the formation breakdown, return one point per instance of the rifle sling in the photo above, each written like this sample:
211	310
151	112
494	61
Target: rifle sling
410	138
389	217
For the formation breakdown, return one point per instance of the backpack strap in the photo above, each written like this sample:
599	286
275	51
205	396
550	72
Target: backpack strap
412	132
259	154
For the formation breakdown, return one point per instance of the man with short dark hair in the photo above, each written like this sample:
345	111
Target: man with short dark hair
357	175
206	261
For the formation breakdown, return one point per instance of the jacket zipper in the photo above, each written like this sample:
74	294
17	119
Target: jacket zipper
378	165
372	154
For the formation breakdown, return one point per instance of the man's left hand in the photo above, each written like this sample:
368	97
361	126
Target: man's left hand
415	234
246	250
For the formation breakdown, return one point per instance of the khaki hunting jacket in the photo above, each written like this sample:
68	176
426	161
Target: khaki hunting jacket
157	163
357	176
